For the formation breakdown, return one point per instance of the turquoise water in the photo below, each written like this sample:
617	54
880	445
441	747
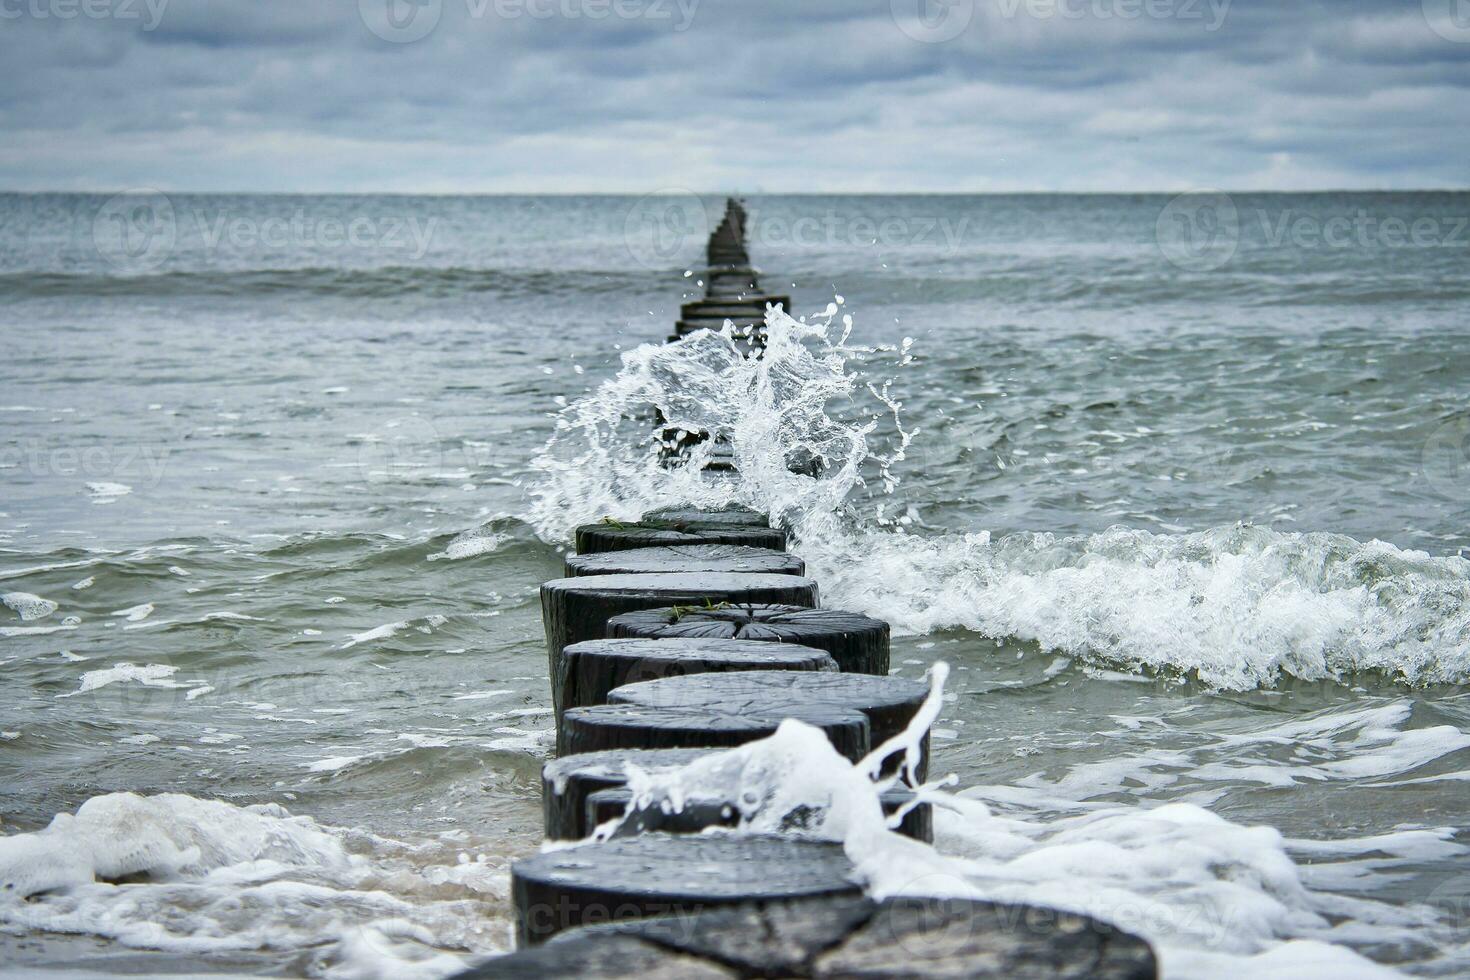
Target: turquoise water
274	454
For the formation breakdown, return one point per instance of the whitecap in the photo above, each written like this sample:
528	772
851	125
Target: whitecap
333	764
478	541
27	606
208	877
134	614
35	630
107	493
376	633
1236	606
149	675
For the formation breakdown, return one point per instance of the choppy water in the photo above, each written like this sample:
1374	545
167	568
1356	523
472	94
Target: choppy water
1192	535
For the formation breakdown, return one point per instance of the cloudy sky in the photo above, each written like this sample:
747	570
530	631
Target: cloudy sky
748	95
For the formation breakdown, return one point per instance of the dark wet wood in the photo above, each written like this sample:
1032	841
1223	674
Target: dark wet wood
696	817
843	936
889	703
732	514
567	782
593	539
668	874
631	726
858	643
590	670
686	558
577	609
598	958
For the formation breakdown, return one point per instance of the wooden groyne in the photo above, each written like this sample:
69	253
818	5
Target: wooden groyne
691	631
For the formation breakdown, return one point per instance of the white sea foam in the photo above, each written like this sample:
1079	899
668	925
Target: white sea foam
533	741
476	541
35	630
106	493
376	633
1237	607
148	675
1218	899
27	606
333	764
208	877
134	614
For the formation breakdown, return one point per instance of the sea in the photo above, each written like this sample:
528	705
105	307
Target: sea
1177	487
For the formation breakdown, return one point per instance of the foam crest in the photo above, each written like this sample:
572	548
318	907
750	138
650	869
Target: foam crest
181	874
1217	898
1235	607
27	606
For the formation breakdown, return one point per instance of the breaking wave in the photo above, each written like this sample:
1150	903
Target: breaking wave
1235	607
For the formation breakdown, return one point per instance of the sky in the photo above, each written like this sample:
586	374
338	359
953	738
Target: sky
638	96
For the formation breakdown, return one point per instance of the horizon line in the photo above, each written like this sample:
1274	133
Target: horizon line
741	194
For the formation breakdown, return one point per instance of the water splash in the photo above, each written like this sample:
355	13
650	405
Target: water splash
1215	897
1234	607
805	400
795	779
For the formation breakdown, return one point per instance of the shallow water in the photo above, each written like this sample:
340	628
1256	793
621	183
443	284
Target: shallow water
1189	536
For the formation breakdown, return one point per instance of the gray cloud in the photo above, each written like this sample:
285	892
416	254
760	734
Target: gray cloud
636	95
